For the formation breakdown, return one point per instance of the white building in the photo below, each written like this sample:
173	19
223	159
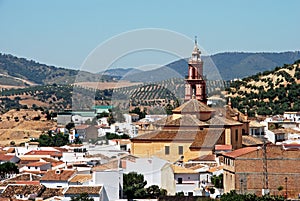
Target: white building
292	116
156	171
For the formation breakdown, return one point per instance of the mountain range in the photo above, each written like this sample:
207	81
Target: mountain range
223	66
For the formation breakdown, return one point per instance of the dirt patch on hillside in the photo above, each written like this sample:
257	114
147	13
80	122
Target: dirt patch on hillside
20	126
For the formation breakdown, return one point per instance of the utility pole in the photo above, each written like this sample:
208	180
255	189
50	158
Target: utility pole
265	168
286	191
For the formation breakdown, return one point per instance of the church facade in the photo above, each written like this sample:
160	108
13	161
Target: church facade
194	129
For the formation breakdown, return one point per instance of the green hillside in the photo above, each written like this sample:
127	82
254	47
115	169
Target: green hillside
268	93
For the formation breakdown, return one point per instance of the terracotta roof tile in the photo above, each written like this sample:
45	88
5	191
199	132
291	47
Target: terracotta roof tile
255	124
81	178
206	138
223	147
5	157
53	175
240	152
217	120
214	169
209	157
12	190
91	190
43	152
113	164
184	120
37	164
182	170
248	140
82	126
193	106
51	192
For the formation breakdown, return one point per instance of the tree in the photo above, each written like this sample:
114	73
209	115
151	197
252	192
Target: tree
82	197
133	185
233	196
153	191
217	180
7	169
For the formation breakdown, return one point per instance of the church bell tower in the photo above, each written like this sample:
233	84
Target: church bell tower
195	87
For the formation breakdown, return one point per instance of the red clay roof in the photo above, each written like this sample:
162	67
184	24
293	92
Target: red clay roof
240	152
209	157
43	152
91	190
37	164
223	147
184	120
52	175
192	106
205	138
5	157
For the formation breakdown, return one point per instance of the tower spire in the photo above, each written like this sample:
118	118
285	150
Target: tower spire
196	40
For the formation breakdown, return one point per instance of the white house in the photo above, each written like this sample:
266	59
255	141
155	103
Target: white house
292	116
96	192
111	180
156	171
187	181
57	178
36	167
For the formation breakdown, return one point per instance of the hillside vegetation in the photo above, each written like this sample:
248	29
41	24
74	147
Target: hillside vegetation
22	72
268	93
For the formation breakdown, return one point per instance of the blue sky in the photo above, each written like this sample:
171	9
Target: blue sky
65	32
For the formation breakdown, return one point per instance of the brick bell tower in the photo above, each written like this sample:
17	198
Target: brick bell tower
195	87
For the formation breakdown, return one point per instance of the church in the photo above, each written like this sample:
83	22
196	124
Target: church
194	129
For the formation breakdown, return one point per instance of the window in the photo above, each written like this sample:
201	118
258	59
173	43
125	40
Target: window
179	180
167	150
180	150
237	135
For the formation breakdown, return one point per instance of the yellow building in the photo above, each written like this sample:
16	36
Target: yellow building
194	128
191	132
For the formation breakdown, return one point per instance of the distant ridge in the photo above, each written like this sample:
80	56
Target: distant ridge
225	66
222	66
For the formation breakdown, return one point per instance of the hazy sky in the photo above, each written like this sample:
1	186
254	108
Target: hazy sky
65	32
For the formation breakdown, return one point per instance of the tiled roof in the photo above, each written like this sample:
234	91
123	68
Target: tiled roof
26	177
12	190
91	190
182	170
205	138
51	192
184	120
208	139
81	178
223	147
37	164
5	157
82	126
214	169
209	157
192	106
29	159
11	150
52	161
193	166
255	124
52	175
42	152
218	120
248	140
240	152
113	164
